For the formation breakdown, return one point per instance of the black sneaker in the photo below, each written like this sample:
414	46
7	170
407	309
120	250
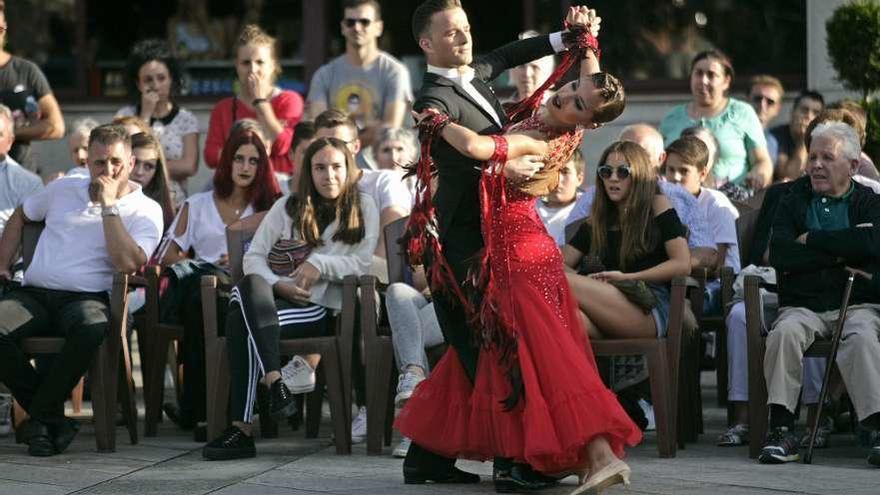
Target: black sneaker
232	444
281	401
781	447
874	456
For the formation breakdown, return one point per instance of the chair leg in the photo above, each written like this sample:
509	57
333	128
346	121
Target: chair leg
103	400
389	405
658	375
315	402
378	368
217	381
127	394
721	364
757	397
341	420
154	385
76	396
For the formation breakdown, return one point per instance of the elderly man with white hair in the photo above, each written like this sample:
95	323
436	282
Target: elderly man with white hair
826	224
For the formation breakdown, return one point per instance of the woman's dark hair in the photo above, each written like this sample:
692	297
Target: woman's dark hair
158	189
264	189
306	205
718	56
147	51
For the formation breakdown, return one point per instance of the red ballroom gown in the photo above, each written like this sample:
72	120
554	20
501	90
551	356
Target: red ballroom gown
565	404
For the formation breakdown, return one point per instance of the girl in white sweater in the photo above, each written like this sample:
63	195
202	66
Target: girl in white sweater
332	230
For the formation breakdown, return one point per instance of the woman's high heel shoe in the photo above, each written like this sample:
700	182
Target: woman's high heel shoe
612	474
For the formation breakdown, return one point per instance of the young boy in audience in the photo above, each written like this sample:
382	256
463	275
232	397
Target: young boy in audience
686	165
555	207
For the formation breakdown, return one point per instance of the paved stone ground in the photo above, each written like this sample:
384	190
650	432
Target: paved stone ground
171	464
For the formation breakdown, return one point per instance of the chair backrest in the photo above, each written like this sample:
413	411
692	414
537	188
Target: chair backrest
395	253
30	234
572	228
745	230
238	239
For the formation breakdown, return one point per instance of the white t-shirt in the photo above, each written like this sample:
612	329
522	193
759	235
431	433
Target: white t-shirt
555	219
72	252
16	184
721	215
205	230
386	188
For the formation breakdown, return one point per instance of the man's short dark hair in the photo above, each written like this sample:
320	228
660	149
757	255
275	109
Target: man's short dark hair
302	131
421	19
328	119
353	4
109	134
809	93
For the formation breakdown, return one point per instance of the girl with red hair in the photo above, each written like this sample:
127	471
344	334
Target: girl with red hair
244	184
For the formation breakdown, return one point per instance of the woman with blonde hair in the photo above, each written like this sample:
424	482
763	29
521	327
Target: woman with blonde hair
276	110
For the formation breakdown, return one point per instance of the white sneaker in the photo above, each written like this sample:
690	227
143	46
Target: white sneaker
5	414
402	448
648	409
298	375
359	426
406	384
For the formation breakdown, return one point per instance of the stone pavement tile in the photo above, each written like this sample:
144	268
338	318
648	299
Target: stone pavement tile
253	488
73	478
93	461
16	488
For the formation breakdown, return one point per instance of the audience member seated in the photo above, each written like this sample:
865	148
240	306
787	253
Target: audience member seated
26	92
555	207
742	158
706	136
867	168
150	172
634	245
384	187
243	185
686	164
528	77
16	183
303	135
395	149
699	237
277	110
133	125
331	229
155	79
792	160
825	224
368	84
765	95
105	224
78	145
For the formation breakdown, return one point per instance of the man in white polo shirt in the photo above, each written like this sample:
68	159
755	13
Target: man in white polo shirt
95	226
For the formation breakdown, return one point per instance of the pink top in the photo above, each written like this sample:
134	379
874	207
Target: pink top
288	108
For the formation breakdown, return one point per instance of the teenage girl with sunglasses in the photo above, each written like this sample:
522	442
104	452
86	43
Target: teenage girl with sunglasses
635	244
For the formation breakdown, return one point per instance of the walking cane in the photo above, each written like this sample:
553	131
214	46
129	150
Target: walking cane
835	343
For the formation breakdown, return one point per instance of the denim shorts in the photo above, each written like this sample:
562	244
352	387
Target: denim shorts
661	310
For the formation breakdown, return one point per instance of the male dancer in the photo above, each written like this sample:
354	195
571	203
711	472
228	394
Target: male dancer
456	85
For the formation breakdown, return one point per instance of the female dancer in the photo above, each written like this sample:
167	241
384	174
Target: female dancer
537	397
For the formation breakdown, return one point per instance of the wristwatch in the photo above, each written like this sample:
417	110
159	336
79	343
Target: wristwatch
110	211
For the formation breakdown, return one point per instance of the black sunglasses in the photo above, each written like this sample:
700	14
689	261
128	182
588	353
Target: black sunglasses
349	22
606	171
757	99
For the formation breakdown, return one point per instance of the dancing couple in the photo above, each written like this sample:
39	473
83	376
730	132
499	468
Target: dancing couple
519	383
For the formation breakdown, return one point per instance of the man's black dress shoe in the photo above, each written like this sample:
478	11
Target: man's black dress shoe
415	476
39	440
519	477
65	430
183	421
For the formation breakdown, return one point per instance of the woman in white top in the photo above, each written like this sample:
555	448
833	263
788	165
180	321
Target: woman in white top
243	185
155	78
332	229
